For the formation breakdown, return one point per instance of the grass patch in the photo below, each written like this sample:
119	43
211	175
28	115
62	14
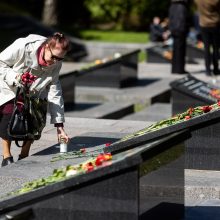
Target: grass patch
114	36
142	56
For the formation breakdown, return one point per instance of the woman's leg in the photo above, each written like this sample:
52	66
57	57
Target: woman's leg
25	149
7	157
6	148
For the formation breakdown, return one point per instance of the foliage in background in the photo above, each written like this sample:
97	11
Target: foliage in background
126	14
23	7
133	15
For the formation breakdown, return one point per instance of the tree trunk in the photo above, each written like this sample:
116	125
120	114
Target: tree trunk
49	16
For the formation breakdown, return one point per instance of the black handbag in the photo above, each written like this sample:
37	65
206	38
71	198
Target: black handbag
28	121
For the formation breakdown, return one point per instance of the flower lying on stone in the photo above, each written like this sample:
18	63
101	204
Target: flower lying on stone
185	116
66	172
101	61
71	172
215	93
108	144
83	150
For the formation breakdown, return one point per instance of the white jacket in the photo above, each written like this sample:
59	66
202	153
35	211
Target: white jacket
21	56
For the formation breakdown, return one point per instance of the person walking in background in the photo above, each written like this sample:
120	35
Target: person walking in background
179	22
41	57
209	21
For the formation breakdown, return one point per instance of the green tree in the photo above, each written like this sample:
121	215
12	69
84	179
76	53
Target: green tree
127	14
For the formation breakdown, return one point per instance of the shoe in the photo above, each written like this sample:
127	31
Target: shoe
208	73
180	72
186	72
20	157
7	161
216	72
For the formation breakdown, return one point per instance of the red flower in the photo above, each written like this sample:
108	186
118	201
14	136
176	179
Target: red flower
99	161
28	78
187	117
218	102
100	157
83	150
190	111
89	167
206	109
108	144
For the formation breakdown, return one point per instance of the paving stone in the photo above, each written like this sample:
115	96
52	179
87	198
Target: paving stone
108	110
157	91
201	185
154	112
78	127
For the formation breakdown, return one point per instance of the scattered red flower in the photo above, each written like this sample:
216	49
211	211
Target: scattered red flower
108	144
83	150
206	109
190	111
89	167
187	117
99	161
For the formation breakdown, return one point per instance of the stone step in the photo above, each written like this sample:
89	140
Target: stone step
146	91
107	110
201	185
154	112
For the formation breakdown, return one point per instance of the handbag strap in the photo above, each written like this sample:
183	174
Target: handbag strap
22	91
18	145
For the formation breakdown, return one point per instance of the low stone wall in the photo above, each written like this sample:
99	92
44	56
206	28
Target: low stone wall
98	50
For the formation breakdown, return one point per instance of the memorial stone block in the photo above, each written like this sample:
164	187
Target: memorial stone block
67	82
109	191
190	92
202	149
159	54
163	54
116	72
195	50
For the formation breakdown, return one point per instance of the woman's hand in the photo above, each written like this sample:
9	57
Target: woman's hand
62	133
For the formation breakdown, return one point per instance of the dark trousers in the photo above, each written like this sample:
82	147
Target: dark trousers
179	53
210	37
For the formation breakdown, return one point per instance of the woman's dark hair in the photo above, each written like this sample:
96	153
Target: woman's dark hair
58	38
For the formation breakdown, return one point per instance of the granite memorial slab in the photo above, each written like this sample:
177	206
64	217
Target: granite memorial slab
190	92
202	149
195	50
162	54
158	54
67	82
117	72
109	191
